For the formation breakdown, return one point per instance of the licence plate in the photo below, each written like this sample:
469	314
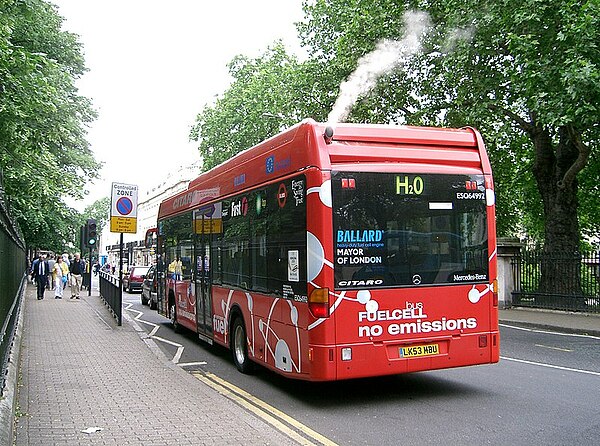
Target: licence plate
415	351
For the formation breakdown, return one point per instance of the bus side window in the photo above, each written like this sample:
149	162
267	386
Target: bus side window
258	241
217	260
228	263
286	232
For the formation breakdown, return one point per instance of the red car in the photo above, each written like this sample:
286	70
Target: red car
133	278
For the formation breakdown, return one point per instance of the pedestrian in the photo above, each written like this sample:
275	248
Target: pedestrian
76	269
176	269
171	269
51	263
29	269
59	278
65	273
39	273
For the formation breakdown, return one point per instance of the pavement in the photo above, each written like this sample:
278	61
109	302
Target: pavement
79	372
85	380
562	321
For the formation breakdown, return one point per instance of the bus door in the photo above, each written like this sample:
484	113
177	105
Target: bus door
203	278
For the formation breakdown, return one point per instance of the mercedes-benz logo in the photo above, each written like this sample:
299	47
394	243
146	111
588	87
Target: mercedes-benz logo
416	279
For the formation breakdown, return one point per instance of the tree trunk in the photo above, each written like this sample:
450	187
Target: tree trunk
560	265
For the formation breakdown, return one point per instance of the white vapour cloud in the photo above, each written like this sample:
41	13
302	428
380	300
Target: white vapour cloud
456	36
387	55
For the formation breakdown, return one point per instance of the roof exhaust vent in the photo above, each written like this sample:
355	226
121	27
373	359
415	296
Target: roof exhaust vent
328	134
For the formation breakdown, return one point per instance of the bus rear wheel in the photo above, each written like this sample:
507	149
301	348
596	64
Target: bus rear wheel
239	346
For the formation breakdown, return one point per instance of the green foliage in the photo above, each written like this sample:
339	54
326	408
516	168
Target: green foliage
527	67
264	98
98	210
512	69
44	155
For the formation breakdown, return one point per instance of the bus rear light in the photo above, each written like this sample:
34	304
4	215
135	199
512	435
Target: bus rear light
348	183
347	354
482	341
318	302
310	353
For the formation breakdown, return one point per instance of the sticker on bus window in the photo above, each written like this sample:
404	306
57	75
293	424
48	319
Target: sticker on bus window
294	266
298	191
282	195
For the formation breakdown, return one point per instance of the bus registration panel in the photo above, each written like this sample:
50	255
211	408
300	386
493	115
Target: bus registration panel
415	351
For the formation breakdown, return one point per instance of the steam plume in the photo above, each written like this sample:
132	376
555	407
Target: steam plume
387	55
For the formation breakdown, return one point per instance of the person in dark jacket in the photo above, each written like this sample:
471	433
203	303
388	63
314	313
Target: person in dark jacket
77	268
39	273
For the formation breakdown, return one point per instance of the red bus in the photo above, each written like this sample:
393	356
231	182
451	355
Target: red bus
327	254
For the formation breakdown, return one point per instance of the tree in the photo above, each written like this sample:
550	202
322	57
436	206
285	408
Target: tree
531	68
265	97
99	210
42	122
525	73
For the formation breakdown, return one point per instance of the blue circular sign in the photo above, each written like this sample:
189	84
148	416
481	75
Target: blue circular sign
124	206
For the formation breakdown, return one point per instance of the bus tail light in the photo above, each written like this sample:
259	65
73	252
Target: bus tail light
318	302
495	292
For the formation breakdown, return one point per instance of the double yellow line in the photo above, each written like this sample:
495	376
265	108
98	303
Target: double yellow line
276	418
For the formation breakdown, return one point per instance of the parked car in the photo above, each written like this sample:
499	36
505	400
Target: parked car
133	278
149	289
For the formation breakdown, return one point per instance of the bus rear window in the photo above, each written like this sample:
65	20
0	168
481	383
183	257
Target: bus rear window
406	229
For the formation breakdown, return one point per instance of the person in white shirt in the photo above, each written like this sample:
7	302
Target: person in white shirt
58	278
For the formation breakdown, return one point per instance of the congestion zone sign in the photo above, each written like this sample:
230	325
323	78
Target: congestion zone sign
123	208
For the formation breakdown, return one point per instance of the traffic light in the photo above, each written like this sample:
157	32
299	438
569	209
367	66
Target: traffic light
91	235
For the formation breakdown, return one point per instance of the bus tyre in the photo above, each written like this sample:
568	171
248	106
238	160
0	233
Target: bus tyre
239	346
174	323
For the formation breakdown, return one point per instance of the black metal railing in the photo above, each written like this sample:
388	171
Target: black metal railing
86	281
111	293
13	279
558	282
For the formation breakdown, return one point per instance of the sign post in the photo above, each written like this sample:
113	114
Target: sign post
123	219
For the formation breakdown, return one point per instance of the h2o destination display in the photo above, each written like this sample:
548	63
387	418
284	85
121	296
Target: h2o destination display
394	229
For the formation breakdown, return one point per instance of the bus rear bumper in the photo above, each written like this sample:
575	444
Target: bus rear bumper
348	361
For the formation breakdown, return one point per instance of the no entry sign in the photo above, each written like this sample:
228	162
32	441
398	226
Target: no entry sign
123	209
